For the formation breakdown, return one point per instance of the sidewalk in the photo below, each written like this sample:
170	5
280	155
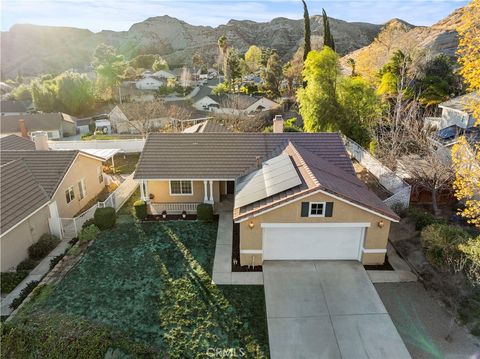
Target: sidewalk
402	272
222	265
35	275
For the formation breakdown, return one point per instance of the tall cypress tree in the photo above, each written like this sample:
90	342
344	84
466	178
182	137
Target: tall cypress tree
306	23
327	35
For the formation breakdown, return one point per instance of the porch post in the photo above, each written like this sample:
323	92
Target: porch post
211	192
142	190
147	194
205	194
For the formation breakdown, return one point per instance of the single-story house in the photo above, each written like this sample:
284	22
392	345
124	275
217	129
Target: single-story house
234	104
295	195
39	187
11	107
57	125
149	83
163	74
121	124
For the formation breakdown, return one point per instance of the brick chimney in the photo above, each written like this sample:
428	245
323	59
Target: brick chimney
278	124
40	138
23	128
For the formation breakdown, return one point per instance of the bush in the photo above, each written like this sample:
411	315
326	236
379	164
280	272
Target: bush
54	261
45	245
10	280
88	223
89	233
440	242
23	294
470	254
205	212
27	265
423	219
140	209
105	218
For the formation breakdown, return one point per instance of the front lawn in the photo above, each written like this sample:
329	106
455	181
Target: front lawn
146	289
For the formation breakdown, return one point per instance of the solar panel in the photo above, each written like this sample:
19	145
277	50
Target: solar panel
276	175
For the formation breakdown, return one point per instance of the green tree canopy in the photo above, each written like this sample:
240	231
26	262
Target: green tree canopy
273	75
159	64
74	92
327	34
110	68
44	95
306	32
232	67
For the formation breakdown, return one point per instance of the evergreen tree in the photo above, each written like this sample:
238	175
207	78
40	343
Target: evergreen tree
327	35
306	21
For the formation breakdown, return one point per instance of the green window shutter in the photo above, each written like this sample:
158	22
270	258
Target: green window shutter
305	209
328	209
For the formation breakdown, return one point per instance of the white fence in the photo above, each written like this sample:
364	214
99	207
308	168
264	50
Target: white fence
128	145
173	208
71	227
400	190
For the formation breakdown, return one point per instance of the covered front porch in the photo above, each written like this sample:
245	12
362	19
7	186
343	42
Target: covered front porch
178	196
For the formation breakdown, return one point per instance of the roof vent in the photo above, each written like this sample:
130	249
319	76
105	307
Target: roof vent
257	162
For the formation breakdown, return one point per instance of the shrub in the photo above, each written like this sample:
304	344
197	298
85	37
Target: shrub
27	265
9	280
88	223
23	294
423	219
140	209
470	258
105	218
205	212
89	233
54	261
44	245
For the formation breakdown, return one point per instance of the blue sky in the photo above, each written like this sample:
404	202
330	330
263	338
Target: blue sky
121	14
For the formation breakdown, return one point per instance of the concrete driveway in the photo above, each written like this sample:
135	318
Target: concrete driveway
327	309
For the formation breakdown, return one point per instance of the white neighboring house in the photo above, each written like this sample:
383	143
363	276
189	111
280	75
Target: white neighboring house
234	104
121	124
149	83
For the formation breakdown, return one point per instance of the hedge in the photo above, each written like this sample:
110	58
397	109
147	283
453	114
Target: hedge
105	218
23	294
27	264
205	212
89	233
44	245
140	209
10	280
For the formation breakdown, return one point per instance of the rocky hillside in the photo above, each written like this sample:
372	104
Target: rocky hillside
421	42
32	50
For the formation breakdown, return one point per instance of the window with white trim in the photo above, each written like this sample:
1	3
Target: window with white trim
82	188
181	187
69	194
317	209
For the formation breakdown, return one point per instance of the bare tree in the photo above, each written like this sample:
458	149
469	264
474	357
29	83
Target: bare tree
145	117
177	114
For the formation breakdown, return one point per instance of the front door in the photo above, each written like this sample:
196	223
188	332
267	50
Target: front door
230	187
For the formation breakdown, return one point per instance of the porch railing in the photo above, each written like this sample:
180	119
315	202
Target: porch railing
173	208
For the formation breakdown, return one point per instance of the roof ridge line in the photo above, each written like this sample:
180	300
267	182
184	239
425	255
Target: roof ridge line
303	163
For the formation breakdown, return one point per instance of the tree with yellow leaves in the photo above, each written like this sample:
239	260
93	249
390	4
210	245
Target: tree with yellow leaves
469	51
466	157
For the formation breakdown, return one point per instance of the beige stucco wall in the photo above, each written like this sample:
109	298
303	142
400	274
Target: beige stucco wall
83	167
161	192
14	245
375	237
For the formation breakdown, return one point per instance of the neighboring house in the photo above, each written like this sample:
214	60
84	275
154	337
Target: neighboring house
163	75
207	126
149	83
57	125
129	92
83	125
296	195
38	188
121	124
456	120
234	104
10	107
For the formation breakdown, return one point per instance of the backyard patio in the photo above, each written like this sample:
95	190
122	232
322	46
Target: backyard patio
146	289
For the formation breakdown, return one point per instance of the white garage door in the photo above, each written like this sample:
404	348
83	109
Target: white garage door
313	241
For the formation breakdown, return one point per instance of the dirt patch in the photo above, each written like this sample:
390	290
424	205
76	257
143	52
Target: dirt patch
236	267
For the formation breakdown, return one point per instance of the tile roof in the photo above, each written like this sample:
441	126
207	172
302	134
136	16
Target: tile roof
20	194
318	174
47	167
34	122
14	142
13	106
462	103
225	155
202	92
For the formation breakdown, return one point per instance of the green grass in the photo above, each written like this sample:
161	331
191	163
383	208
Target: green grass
10	280
125	163
150	284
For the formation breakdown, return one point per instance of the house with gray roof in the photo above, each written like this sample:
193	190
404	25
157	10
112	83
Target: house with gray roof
12	107
40	188
233	104
293	196
57	125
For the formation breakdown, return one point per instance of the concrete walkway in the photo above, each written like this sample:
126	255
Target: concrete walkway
222	264
36	274
327	309
401	273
